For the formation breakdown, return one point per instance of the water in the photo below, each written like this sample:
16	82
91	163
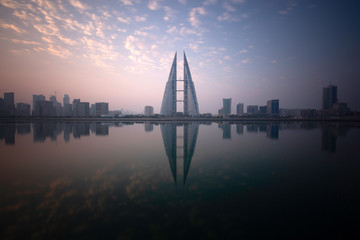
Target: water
176	181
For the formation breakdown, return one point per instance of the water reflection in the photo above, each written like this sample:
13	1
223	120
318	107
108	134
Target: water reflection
170	137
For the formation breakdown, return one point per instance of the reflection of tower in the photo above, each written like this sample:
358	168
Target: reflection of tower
169	135
168	106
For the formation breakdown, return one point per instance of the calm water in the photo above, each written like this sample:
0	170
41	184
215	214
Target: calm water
165	181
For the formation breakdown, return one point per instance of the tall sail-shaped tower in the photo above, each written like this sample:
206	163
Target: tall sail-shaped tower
168	106
191	106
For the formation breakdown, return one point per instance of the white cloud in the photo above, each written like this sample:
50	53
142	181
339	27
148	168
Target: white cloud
24	42
227	58
274	61
194	21
79	5
245	60
250	46
140	18
169	13
58	51
228	7
153	5
126	2
182	1
124	20
140	33
209	2
243	51
12	27
291	5
228	17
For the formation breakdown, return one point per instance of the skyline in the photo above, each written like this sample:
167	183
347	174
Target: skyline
245	50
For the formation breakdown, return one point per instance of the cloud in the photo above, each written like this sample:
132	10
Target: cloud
274	61
124	20
140	18
227	58
58	51
169	13
228	7
209	2
245	60
194	21
79	5
182	1
126	2
24	41
153	5
290	6
228	17
243	51
12	27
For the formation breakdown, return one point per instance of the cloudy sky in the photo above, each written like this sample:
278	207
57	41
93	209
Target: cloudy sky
120	51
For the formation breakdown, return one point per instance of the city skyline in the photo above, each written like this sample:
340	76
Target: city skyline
244	50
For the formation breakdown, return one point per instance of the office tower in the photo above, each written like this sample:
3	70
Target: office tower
263	109
329	97
67	110
101	108
226	106
9	101
1	106
66	99
273	107
75	107
36	98
240	109
83	109
22	109
44	109
149	111
252	109
168	106
53	98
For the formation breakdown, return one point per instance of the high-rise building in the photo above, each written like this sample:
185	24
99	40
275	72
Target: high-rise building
75	107
66	99
263	109
101	108
168	106
226	106
329	97
149	111
273	107
53	98
240	109
9	101
22	109
36	98
44	109
252	109
83	109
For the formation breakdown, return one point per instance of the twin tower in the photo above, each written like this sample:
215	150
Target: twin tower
169	102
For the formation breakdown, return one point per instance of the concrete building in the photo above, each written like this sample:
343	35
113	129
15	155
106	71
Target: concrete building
149	111
101	108
66	99
44	109
329	97
36	98
9	103
83	109
67	110
22	109
240	109
75	107
263	110
226	106
252	109
273	107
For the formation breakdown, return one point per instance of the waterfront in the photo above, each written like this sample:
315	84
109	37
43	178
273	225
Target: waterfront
173	181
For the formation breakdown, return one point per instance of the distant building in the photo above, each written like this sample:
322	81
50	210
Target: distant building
93	110
101	108
83	109
240	109
75	107
226	106
67	110
149	111
66	99
252	109
1	105
263	109
220	112
273	107
44	109
340	109
53	98
36	99
329	97
22	109
290	112
9	105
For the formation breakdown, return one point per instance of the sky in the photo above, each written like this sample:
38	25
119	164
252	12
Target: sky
121	51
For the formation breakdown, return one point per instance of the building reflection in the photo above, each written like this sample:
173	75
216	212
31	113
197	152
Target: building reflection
226	128
149	127
329	135
7	132
170	137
